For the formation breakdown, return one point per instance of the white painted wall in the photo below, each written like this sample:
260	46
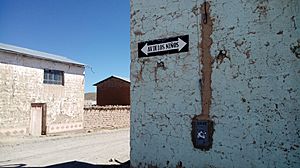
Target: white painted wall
255	94
21	83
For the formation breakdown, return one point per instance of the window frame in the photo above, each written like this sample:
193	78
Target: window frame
55	77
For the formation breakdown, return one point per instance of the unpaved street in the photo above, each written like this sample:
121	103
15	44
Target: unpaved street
94	148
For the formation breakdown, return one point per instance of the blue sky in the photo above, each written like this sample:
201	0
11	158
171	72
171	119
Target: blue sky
94	32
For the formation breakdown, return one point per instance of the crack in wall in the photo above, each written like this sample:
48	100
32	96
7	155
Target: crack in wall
250	96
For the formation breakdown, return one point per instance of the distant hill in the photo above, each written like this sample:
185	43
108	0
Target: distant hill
90	96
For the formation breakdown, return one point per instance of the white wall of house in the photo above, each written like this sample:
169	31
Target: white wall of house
21	83
242	67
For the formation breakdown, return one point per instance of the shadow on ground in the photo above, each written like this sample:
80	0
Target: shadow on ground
14	165
75	164
88	165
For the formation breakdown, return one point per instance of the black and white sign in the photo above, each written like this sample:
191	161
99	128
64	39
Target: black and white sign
163	46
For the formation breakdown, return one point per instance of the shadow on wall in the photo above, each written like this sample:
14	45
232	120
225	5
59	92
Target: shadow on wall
75	164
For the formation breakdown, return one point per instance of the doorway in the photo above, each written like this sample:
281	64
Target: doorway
38	119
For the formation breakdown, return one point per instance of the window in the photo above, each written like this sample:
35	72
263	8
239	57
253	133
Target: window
53	77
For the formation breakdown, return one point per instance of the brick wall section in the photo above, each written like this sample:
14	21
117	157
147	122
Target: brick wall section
103	117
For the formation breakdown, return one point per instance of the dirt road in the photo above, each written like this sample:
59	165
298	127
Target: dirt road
93	148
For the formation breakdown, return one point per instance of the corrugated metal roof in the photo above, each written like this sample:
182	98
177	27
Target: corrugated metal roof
124	79
37	54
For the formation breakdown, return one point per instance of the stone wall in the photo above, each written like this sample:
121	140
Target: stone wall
106	117
21	83
242	71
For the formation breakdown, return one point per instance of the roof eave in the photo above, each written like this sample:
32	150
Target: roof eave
14	49
109	78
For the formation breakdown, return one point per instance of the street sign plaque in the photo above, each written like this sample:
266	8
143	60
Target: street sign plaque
163	46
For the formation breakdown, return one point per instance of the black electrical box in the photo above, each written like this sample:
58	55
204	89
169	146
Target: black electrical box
202	130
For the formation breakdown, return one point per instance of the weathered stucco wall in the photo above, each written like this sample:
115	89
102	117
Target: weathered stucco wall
21	83
106	117
248	55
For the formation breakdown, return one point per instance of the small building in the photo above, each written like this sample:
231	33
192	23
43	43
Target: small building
40	93
113	91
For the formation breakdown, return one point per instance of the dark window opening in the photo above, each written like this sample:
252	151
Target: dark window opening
53	77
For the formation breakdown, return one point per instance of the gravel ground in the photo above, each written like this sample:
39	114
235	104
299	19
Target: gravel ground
68	150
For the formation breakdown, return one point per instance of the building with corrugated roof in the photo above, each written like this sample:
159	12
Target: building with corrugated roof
113	90
41	93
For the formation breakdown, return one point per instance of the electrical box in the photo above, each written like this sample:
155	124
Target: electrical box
202	131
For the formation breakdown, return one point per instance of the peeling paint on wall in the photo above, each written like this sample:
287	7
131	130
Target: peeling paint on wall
254	83
295	48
